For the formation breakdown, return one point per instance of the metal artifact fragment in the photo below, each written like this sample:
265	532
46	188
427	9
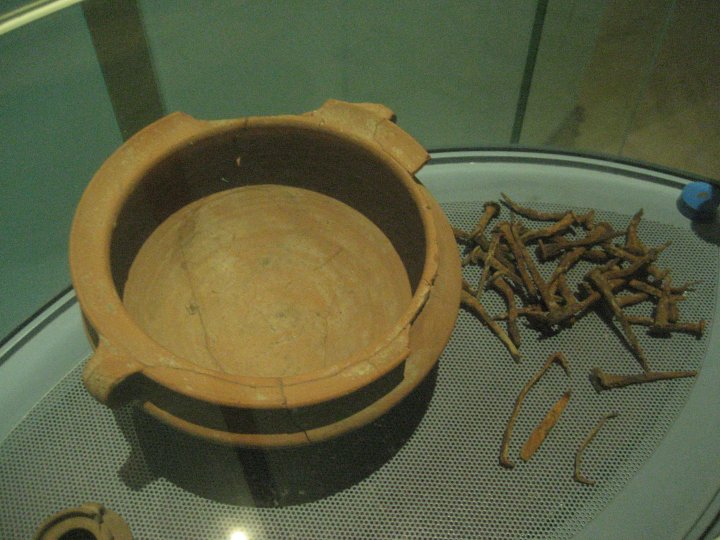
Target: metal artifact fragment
512	312
602	232
558	358
600	282
585	220
460	235
490	210
578	476
468	300
695	329
632	242
516	248
542	430
486	268
605	381
560	226
630	299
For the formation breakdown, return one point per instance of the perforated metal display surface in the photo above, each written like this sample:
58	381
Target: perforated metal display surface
428	469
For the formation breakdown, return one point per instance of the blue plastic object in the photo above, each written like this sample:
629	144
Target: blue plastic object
699	200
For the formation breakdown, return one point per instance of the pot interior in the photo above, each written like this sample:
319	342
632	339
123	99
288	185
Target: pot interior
267	281
282	155
326	269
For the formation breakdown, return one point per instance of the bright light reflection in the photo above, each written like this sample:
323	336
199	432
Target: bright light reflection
239	535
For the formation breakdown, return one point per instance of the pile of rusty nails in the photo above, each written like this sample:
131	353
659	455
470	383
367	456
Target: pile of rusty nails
622	275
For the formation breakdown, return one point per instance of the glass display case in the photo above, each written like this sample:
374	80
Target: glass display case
554	121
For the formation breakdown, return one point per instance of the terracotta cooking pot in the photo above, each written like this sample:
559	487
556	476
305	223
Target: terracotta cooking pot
265	281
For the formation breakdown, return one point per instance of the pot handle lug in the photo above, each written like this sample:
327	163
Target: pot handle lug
374	123
106	370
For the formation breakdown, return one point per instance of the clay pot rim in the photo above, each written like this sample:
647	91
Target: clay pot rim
130	350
